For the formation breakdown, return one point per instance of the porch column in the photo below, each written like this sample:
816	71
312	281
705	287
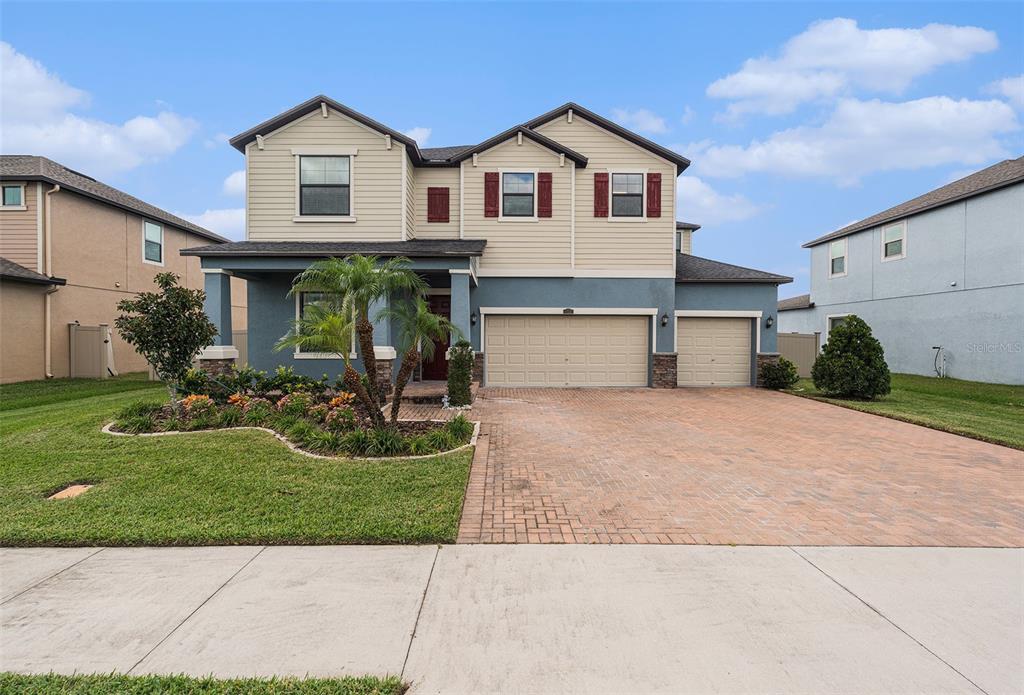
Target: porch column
219	357
383	350
460	301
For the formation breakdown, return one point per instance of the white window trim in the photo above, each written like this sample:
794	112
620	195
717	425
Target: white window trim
23	205
576	311
902	224
321	355
501	196
846	258
163	246
350	152
643	195
716	314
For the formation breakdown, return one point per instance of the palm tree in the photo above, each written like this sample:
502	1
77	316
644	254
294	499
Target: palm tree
326	326
360	281
418	328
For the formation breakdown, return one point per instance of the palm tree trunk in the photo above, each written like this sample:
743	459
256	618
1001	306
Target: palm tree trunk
364	330
409	362
355	384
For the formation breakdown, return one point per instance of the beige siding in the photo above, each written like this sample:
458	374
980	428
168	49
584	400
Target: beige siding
410	198
443	177
542	245
21	331
376	183
686	241
19	230
604	245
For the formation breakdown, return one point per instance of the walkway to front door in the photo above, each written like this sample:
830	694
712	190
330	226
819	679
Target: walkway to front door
728	466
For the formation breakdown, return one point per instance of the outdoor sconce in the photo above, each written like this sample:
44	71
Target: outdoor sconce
770	322
472	319
664	320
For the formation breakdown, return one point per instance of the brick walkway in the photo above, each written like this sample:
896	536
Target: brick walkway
728	466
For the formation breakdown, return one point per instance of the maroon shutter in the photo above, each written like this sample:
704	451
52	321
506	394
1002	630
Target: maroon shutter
544	194
437	204
654	195
491	194
600	195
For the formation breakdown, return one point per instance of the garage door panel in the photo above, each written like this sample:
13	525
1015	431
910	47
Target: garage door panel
567	350
713	351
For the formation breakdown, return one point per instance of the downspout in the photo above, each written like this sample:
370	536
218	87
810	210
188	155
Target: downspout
49	273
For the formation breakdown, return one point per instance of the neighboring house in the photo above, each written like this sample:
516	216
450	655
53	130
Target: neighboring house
944	269
551	246
72	248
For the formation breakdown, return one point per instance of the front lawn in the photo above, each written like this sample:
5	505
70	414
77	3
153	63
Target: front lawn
27	393
990	412
209	488
183	685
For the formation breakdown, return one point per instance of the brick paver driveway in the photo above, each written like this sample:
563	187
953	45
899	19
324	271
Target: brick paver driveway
728	466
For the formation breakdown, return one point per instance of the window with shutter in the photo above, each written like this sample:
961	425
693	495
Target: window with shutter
544	194
491	194
601	194
437	204
654	195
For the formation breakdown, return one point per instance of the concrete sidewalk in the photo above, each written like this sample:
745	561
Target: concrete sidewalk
533	619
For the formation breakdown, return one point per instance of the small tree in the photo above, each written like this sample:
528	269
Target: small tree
169	328
778	375
852	363
460	374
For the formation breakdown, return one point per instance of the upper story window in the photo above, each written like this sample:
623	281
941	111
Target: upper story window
517	195
14	196
627	195
894	244
325	186
152	242
837	258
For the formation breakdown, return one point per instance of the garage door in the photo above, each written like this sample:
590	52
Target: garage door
713	351
566	350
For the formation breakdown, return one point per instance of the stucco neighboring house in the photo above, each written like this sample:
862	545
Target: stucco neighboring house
552	246
944	269
72	248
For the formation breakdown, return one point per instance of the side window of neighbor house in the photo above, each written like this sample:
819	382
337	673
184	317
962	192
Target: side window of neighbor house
837	258
14	196
627	195
325	186
153	242
894	241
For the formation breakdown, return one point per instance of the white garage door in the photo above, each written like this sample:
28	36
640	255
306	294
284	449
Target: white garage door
566	350
713	351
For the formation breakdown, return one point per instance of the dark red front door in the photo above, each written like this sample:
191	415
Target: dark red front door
437	367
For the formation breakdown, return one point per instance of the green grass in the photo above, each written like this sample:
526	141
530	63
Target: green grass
209	488
989	412
29	393
52	684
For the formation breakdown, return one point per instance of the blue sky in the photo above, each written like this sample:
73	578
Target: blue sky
799	118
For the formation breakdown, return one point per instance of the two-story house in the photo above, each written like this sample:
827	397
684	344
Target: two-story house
552	246
944	270
71	248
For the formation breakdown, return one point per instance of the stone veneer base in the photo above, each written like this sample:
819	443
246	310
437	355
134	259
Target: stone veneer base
664	373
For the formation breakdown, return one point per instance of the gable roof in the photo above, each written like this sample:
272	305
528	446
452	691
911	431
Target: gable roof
9	270
696	269
992	178
23	167
541	140
801	301
680	161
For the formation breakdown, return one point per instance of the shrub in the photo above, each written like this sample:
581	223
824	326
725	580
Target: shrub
460	374
199	406
442	440
324	442
135	424
852	363
340	419
385	441
419	446
300	431
777	375
257	411
460	428
319	412
356	443
295	404
195	382
230	416
139	409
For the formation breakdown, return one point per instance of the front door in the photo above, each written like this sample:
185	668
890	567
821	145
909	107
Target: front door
437	367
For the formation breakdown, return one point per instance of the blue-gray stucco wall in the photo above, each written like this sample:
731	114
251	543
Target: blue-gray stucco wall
733	297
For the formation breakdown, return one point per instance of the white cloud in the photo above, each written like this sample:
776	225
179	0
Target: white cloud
640	120
1011	88
419	134
861	137
700	203
216	140
37	119
228	222
688	115
832	57
234	184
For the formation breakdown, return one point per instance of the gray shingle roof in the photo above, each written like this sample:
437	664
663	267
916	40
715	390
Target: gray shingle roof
542	140
696	269
996	176
23	167
687	225
9	270
417	248
441	154
802	301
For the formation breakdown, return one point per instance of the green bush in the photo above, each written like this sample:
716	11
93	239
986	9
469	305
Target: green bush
777	375
257	412
141	408
230	416
195	382
852	363
324	442
295	403
460	428
442	440
385	441
356	443
138	417
460	374
419	446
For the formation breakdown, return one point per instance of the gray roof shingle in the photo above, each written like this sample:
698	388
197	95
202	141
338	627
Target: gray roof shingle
996	176
696	269
687	225
9	270
441	154
802	301
416	248
24	167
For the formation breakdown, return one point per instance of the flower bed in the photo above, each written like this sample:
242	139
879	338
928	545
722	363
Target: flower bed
325	422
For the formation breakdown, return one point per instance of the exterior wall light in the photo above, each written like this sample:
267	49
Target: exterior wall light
664	320
472	319
770	322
